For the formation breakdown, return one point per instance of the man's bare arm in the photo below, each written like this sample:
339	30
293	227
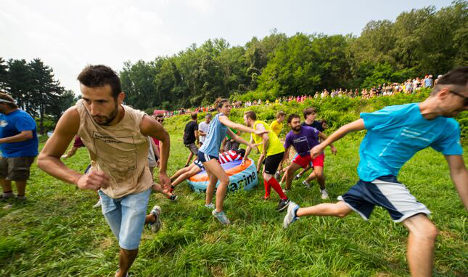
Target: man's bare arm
24	135
56	145
459	176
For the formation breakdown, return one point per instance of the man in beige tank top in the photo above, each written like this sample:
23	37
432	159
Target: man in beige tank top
116	138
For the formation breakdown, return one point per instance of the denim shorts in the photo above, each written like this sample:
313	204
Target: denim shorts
126	217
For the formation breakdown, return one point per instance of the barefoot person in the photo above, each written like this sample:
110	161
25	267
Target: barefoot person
272	152
303	138
116	138
394	135
209	152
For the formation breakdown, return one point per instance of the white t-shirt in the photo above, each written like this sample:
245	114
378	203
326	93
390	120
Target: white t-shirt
204	127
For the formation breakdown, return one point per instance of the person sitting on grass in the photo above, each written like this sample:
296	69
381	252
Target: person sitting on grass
394	135
209	152
272	152
196	167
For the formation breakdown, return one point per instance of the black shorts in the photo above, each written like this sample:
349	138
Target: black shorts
272	162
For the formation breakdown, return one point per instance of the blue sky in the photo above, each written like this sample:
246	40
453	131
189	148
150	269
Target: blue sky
68	35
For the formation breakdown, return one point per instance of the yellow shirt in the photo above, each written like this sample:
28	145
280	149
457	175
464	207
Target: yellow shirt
274	144
276	127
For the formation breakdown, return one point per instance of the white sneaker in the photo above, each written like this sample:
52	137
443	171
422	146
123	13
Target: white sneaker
290	214
324	194
305	183
98	204
156	225
210	206
297	177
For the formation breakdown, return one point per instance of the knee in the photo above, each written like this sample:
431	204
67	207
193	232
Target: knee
224	181
427	231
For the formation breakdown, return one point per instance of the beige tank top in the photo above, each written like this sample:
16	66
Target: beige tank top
120	151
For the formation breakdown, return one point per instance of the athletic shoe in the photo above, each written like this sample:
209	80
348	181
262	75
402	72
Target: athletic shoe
6	195
210	206
283	204
21	198
173	197
290	215
324	194
98	203
307	184
156	225
297	176
221	216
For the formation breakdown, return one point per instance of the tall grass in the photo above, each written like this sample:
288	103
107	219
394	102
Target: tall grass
58	233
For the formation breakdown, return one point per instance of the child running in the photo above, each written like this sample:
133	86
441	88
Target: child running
209	152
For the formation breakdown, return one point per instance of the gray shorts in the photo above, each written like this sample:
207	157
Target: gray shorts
192	147
15	169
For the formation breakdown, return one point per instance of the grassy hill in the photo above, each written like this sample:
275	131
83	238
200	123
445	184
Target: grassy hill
58	233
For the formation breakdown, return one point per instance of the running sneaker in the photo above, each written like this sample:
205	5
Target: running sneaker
156	225
290	214
221	216
210	206
297	177
307	184
324	194
283	204
98	203
6	195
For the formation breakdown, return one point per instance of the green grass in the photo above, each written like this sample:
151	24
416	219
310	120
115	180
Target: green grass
58	233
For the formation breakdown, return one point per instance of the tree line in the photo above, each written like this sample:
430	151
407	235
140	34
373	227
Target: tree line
420	41
33	86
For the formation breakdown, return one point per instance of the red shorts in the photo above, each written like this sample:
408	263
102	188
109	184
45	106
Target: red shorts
304	161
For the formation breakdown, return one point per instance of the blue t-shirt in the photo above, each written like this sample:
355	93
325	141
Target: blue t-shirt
215	137
12	124
305	140
396	133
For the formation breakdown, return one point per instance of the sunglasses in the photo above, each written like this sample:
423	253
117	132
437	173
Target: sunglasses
465	98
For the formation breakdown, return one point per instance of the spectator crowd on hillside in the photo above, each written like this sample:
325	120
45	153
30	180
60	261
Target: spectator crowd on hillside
407	87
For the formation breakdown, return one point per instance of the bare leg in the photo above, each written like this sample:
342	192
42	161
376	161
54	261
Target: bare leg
126	258
21	187
339	209
179	172
318	171
6	185
158	188
293	167
189	172
210	188
421	240
190	156
216	170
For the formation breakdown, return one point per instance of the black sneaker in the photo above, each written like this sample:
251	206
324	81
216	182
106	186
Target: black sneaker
283	204
173	197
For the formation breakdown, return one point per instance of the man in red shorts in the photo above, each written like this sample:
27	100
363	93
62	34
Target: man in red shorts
304	138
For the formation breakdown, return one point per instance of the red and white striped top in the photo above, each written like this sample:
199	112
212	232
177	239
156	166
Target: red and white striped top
229	156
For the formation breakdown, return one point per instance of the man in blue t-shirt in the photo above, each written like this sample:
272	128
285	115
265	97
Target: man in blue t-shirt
18	143
394	135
